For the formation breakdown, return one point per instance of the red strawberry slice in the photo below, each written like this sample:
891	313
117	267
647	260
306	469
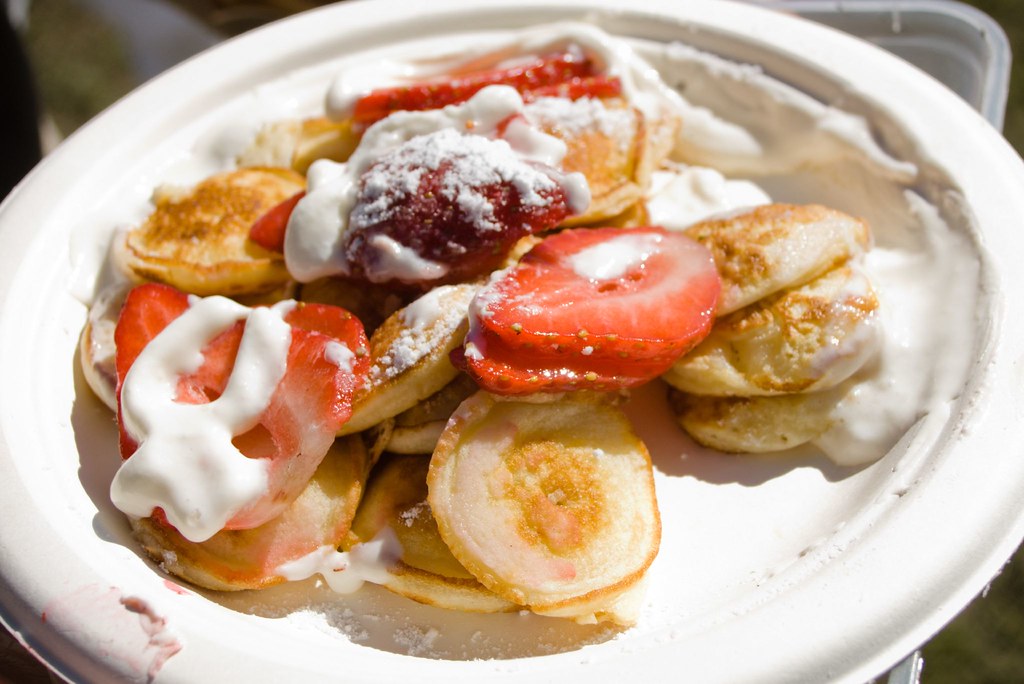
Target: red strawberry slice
505	371
611	306
268	230
544	71
147	310
309	405
456	202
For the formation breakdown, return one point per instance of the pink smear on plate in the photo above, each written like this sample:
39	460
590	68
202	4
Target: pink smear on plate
123	631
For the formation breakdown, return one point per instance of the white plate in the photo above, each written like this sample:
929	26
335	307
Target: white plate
770	570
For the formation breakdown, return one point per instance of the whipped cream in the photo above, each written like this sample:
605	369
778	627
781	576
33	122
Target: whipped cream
642	85
346	571
614	258
682	195
315	237
186	463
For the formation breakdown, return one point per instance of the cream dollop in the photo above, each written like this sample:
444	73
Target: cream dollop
315	237
614	258
186	462
346	571
682	195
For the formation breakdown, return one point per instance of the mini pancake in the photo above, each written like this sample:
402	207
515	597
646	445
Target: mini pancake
633	217
198	239
427	572
776	246
539	500
297	144
756	425
249	559
803	339
410	355
416	430
96	347
607	141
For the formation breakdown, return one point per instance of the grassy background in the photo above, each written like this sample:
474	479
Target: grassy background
1009	15
83	65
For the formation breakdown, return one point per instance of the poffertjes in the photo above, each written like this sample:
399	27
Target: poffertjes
409	353
197	239
539	499
803	339
232	560
759	424
775	246
771	372
427	572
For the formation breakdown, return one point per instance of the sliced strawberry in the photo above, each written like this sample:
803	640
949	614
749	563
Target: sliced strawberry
268	230
611	306
542	72
456	202
576	88
147	310
505	371
307	408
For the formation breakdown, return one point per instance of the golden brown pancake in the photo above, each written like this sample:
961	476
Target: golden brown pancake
410	355
802	339
198	239
297	144
610	143
776	246
416	430
756	424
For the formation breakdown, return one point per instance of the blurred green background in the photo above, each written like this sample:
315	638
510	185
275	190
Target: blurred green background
83	62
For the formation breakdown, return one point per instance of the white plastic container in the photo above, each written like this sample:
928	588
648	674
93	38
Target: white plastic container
958	44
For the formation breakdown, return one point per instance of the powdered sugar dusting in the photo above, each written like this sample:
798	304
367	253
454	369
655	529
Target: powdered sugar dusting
472	162
411	515
584	115
427	325
417	641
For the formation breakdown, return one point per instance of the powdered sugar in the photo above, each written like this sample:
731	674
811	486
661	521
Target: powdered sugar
471	163
402	355
427	324
577	117
411	515
418	641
